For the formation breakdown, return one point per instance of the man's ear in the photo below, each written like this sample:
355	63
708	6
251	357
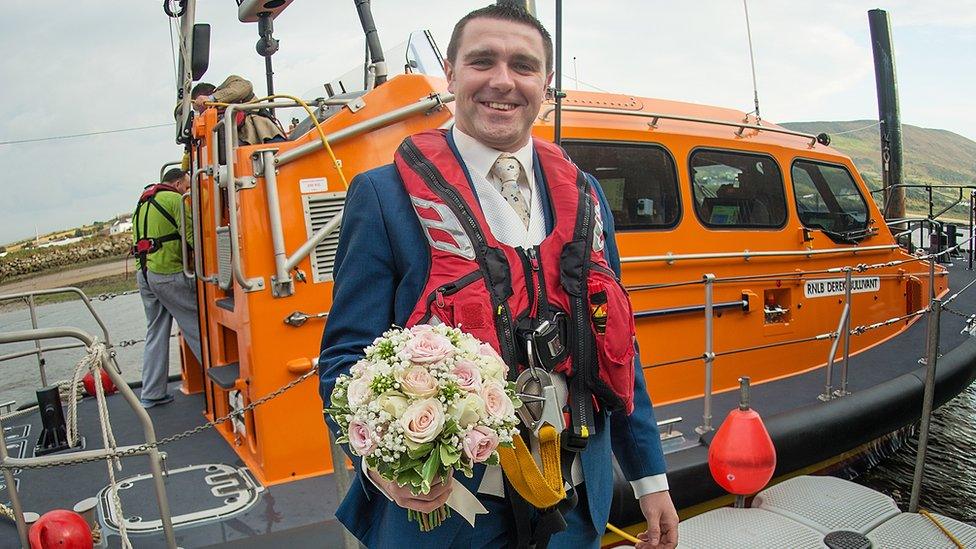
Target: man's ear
549	80
449	73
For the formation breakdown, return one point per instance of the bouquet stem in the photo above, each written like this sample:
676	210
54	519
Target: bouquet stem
431	520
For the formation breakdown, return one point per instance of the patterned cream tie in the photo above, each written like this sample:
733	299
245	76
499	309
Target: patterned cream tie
508	169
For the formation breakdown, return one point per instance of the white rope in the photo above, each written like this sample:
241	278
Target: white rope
92	362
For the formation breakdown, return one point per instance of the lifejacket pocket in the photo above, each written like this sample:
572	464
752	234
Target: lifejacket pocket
612	322
460	304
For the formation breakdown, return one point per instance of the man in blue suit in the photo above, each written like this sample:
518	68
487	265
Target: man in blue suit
499	65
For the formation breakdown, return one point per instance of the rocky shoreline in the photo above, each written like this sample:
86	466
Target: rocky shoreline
40	260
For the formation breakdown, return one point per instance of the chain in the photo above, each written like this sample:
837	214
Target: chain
131	342
113	295
173	438
954	312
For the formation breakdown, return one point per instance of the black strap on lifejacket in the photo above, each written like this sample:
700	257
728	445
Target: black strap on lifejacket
146	245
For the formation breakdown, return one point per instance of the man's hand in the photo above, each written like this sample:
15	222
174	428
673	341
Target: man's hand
424	503
662	522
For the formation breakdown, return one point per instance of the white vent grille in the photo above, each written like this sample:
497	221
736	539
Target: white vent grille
320	208
224	258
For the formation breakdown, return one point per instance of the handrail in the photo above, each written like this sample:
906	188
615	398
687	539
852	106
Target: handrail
281	282
671	258
147	428
655	117
20	354
230	140
185	255
67	289
195	222
380	121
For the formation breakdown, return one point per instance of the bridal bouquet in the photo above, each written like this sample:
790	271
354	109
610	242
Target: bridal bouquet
422	403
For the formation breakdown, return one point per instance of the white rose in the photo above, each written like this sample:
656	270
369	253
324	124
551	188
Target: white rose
467	410
359	392
423	420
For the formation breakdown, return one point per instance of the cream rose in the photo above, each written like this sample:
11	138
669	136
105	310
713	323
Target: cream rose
467	410
423	420
497	403
428	347
393	403
469	375
479	443
495	367
359	440
417	382
358	392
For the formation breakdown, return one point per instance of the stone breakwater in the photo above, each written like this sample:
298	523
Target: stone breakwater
29	262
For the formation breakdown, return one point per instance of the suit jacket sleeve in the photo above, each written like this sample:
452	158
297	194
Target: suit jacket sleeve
363	293
634	438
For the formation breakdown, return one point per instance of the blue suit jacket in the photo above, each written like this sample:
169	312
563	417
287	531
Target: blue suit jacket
381	267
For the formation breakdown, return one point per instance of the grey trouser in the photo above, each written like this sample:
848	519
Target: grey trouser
166	296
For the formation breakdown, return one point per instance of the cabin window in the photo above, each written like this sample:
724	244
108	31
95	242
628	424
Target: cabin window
827	198
737	190
639	181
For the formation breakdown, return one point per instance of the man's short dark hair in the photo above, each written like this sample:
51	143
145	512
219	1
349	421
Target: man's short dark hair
203	88
173	175
505	12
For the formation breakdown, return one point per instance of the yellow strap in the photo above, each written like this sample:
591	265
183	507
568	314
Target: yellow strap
940	526
541	489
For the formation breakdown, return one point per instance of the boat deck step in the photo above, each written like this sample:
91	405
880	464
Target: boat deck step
225	376
816	512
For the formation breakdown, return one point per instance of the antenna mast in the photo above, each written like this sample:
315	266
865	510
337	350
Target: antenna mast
752	60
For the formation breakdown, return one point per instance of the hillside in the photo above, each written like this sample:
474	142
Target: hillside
931	157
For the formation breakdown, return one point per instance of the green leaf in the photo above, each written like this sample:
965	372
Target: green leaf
430	471
420	451
449	454
409	477
450	428
409	464
492	460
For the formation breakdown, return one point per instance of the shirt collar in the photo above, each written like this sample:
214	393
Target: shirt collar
479	158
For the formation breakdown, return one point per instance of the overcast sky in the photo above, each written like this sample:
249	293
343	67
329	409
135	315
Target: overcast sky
72	67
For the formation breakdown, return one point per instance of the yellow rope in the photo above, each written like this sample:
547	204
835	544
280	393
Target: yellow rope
541	489
622	534
311	116
939	525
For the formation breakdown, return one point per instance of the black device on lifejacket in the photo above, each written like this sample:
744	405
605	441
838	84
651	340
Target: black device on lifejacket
145	244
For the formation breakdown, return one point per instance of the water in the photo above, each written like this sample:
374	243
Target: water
123	316
950	475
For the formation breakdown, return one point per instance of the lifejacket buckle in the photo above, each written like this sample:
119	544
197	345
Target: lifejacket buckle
540	401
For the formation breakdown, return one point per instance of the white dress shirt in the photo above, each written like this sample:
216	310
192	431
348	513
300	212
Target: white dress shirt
508	229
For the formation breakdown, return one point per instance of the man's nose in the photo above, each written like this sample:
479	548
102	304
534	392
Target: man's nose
502	78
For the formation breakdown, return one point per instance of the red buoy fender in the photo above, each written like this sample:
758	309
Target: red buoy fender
60	529
742	457
89	382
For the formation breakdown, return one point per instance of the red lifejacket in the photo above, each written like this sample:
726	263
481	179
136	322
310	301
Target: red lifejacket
146	244
494	291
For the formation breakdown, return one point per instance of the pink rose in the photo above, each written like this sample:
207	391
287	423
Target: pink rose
423	420
417	382
359	440
469	376
479	443
497	403
428	347
421	329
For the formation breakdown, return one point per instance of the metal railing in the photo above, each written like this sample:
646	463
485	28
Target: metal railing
8	463
656	117
842	334
39	349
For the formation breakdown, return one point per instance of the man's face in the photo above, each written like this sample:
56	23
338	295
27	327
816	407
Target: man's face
183	184
499	80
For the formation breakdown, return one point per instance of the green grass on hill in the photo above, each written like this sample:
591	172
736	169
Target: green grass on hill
115	284
931	157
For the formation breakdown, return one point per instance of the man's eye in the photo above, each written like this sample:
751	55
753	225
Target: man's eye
481	62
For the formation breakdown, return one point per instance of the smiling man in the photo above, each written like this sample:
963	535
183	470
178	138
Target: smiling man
527	242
